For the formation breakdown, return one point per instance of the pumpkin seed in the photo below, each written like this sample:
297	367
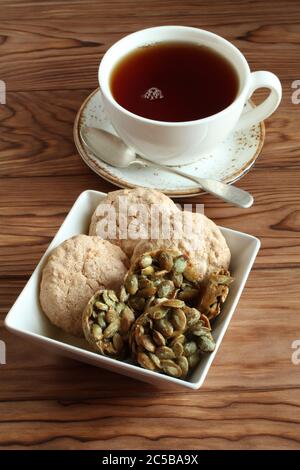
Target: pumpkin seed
206	343
178	319
177	278
131	284
175	303
123	294
184	365
111	329
155	360
111	315
96	331
192	315
158	338
137	303
112	295
170	368
146	261
127	319
190	348
190	273
180	264
145	361
165	260
165	289
164	327
159	274
106	297
188	294
147	291
146	321
146	342
119	307
164	352
147	271
149	302
118	342
199	330
178	349
101	305
144	282
100	319
158	312
178	339
193	360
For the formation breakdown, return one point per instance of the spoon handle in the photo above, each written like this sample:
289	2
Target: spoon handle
234	195
227	192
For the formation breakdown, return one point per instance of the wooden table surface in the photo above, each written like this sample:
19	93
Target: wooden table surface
251	399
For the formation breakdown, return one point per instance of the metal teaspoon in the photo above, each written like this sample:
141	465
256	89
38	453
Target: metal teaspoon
112	150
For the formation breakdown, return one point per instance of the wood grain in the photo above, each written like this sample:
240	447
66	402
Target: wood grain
251	399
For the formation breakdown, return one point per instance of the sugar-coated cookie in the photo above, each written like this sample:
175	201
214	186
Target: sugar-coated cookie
129	198
75	270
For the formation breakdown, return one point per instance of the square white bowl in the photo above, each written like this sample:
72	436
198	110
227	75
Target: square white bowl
35	326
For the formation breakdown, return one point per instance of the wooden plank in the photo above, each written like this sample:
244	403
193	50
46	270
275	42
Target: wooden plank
59	47
36	134
209	420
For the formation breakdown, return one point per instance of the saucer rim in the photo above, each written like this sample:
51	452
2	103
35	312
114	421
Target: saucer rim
121	183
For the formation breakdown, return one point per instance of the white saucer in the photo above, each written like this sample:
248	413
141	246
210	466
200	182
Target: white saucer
229	162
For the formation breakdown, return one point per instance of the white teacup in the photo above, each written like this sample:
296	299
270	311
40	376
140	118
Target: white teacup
179	143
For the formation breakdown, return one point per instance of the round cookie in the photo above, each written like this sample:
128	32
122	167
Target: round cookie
136	221
201	240
75	270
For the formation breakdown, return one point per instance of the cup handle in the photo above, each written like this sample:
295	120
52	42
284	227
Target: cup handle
268	106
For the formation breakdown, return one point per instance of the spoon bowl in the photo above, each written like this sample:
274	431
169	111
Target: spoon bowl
112	150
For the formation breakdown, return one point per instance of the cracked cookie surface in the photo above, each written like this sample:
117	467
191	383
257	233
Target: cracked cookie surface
74	271
125	202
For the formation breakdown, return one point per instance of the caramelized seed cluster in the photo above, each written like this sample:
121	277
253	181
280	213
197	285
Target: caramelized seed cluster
107	322
171	337
214	293
162	274
155	317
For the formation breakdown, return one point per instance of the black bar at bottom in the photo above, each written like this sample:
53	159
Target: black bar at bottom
141	458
